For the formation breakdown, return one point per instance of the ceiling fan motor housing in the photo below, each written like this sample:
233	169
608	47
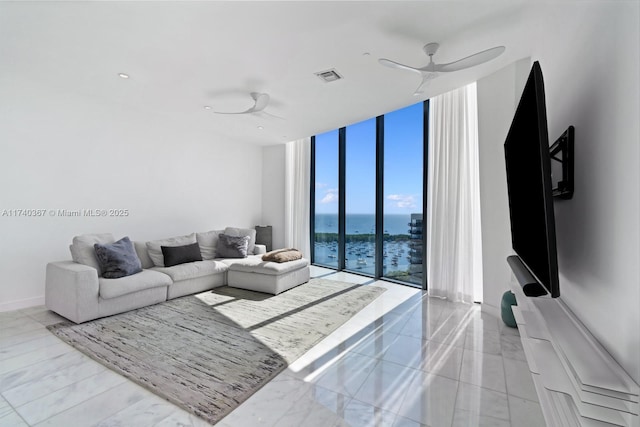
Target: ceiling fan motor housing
431	48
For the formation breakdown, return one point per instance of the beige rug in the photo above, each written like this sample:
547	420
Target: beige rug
209	352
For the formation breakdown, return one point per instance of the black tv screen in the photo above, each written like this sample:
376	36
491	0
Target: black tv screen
528	164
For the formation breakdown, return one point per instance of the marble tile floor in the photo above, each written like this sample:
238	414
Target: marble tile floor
406	360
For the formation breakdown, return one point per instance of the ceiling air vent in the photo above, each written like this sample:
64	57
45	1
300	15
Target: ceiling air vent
329	76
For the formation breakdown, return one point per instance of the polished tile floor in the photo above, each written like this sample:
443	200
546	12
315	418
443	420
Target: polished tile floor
406	360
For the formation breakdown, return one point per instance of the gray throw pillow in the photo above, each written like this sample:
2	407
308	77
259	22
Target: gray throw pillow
240	232
232	247
118	259
174	255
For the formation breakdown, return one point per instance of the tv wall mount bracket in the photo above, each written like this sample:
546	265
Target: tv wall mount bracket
562	151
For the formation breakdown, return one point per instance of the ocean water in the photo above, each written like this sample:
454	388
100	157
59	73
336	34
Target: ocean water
394	224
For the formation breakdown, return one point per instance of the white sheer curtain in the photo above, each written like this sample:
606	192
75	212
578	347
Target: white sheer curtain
297	202
454	255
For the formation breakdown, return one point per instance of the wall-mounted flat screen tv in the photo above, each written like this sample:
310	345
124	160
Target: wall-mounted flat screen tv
533	233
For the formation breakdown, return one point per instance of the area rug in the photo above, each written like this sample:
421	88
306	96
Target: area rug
208	353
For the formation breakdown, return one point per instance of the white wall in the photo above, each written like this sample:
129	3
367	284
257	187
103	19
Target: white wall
593	83
67	151
498	96
590	58
273	187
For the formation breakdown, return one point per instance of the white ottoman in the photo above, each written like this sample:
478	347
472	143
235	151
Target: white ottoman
268	277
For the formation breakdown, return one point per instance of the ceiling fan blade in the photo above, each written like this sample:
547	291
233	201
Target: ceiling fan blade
234	112
250	110
262	100
471	60
272	115
426	78
393	64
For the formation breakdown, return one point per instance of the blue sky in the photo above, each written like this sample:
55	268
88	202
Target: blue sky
402	170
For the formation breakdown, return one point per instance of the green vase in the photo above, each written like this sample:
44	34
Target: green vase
508	299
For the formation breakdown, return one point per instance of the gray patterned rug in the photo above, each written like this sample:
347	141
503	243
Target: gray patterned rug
208	353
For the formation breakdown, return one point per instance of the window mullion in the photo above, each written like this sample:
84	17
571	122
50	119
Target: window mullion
342	220
312	198
379	245
425	191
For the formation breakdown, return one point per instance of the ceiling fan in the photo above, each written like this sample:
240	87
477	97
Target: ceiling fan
261	100
431	70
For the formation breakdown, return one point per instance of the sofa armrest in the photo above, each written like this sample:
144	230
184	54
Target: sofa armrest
259	249
72	290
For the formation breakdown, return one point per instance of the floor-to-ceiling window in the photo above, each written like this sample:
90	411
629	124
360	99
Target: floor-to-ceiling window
325	233
374	225
403	194
360	197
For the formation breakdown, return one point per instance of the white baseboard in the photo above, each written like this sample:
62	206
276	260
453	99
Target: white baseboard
22	303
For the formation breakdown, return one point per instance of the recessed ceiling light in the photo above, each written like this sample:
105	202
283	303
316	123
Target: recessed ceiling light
207	107
260	127
124	76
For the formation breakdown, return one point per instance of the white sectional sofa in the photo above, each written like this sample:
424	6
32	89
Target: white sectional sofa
76	289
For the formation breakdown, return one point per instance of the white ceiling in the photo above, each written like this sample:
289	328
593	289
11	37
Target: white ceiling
182	56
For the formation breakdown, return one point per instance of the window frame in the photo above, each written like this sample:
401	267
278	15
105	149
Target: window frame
379	201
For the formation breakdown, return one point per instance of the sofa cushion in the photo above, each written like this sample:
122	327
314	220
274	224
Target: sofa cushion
208	242
232	247
256	265
118	259
146	279
174	255
239	232
192	270
249	258
83	252
143	254
155	252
